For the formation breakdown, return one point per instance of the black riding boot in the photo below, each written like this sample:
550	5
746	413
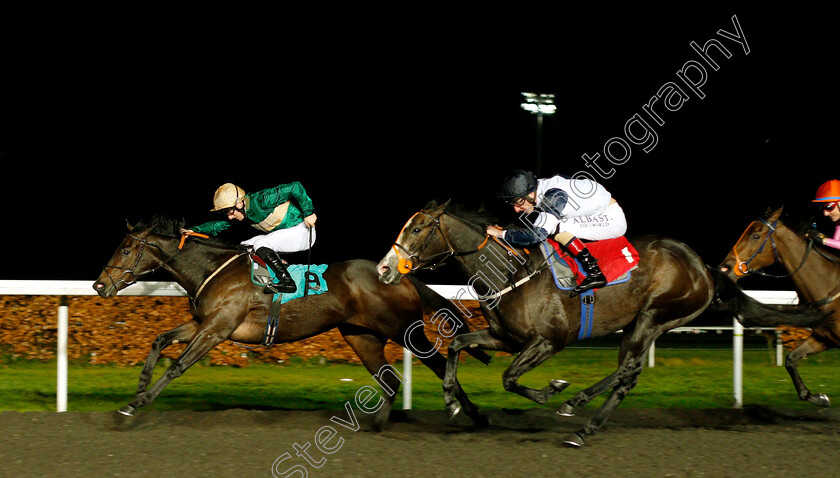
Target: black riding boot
272	259
595	279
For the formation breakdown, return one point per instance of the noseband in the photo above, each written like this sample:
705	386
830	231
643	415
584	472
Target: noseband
413	261
743	268
122	281
129	271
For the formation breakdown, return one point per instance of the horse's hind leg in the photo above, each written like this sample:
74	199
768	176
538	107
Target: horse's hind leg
813	345
203	342
631	357
480	339
627	376
182	333
431	358
536	351
371	350
569	407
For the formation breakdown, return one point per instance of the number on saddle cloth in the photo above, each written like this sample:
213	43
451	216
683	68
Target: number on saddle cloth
308	278
311	276
616	258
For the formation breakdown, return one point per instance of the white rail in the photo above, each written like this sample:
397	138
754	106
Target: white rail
75	288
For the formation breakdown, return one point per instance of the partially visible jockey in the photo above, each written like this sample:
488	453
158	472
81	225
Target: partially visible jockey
284	214
567	210
828	195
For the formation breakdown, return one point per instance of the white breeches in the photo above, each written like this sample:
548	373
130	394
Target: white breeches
293	239
609	225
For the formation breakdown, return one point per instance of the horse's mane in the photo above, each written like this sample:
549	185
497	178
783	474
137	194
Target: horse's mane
478	215
797	220
162	225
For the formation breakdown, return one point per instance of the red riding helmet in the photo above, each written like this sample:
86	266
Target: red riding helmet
829	191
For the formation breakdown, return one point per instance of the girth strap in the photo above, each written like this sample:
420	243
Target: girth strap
211	276
587	313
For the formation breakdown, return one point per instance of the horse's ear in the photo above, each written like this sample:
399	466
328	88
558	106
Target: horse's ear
770	212
433	204
129	226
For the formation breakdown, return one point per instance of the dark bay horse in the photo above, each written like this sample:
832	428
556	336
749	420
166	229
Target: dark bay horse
530	316
814	272
226	305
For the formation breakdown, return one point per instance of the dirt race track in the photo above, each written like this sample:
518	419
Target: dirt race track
248	443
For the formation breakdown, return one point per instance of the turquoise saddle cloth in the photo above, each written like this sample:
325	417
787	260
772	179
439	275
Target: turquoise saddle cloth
309	282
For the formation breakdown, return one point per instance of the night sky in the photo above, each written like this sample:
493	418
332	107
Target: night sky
377	113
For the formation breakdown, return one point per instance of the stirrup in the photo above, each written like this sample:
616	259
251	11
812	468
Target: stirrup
590	284
280	288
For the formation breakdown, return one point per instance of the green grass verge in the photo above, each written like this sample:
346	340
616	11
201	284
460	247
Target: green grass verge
680	379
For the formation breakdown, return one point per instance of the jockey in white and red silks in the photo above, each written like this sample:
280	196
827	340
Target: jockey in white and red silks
569	211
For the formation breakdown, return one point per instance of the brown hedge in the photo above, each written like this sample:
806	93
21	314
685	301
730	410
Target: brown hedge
121	330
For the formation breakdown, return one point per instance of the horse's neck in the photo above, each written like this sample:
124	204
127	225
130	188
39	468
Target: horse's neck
817	277
492	268
191	266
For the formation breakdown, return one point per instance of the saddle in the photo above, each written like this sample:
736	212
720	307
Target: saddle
308	278
616	258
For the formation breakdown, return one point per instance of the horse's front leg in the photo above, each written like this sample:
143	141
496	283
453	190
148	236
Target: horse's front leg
182	333
482	339
813	345
370	348
536	351
570	406
204	341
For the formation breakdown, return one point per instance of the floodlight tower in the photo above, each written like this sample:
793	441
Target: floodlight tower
539	104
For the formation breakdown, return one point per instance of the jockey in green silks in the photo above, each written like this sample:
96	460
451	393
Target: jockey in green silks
284	214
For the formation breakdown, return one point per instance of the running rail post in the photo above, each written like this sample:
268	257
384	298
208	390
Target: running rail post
61	380
407	358
738	363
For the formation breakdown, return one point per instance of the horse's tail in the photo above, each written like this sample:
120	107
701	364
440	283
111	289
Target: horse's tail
434	302
730	297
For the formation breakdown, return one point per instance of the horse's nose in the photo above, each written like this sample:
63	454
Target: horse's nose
100	288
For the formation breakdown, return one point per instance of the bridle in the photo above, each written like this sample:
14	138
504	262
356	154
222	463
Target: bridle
743	268
413	261
128	277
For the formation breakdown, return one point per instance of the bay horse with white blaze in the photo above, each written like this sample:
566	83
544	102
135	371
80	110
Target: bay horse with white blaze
815	274
529	315
226	305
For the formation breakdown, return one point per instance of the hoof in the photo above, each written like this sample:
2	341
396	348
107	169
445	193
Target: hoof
573	440
128	411
453	410
822	400
566	410
559	385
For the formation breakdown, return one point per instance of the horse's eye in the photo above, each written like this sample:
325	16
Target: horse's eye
416	230
126	252
756	237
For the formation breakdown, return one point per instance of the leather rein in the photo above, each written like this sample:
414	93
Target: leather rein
413	262
132	276
743	268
